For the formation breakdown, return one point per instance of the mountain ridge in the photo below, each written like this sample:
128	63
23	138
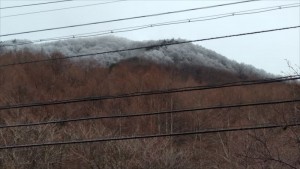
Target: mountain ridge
188	54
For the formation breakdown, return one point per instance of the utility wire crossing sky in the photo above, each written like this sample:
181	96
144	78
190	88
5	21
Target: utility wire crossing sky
266	51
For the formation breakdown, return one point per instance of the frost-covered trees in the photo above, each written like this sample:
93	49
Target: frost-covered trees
179	54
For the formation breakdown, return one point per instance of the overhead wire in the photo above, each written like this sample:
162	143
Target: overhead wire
147	26
145	114
204	131
147	47
60	9
153	92
43	3
128	18
189	133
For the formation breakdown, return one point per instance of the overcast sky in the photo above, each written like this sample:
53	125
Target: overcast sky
266	51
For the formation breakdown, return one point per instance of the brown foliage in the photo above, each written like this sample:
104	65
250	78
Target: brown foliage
63	79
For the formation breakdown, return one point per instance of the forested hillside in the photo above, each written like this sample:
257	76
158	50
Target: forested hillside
128	72
188	53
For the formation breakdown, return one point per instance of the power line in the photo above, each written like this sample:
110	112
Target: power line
190	20
147	26
44	3
123	19
152	113
204	131
147	47
59	9
153	92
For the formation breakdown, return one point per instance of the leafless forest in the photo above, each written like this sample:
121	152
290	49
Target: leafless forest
62	79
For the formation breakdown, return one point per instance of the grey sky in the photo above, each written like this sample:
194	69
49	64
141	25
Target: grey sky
266	51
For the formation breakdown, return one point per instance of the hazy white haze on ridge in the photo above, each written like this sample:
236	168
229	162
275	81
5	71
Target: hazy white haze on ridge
268	51
185	54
